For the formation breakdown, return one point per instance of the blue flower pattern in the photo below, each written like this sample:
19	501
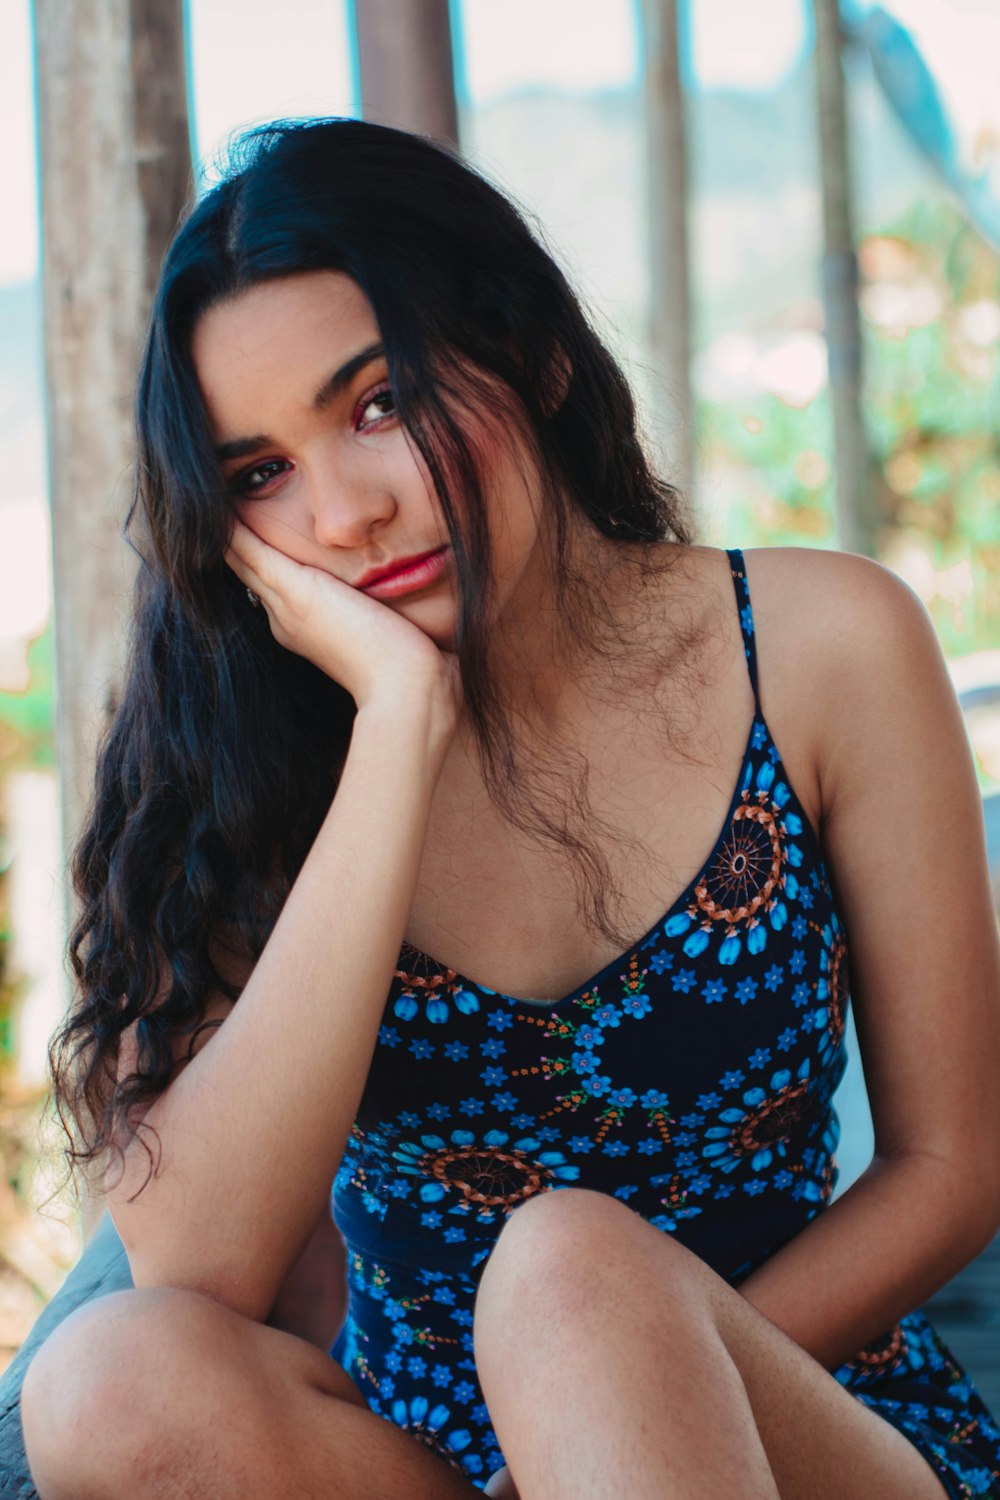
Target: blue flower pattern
691	1079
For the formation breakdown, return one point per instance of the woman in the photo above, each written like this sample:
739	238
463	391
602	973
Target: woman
432	697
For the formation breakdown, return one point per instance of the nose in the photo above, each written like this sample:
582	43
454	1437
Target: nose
344	512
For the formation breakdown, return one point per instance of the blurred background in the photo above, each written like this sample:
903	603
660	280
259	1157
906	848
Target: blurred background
786	216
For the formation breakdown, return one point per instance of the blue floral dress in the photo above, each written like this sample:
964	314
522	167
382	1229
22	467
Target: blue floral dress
691	1078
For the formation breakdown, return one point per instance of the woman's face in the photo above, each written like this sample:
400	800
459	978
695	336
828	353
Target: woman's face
297	391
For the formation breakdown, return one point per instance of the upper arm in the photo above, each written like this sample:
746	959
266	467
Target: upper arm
184	1048
903	837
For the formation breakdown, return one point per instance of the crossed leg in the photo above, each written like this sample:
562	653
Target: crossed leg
616	1362
165	1394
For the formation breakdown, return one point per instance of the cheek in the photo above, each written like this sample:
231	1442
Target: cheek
515	522
275	523
404	471
512	491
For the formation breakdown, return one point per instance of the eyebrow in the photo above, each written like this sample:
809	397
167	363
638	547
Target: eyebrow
241	447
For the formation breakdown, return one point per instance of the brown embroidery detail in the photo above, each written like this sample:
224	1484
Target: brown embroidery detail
774	1120
747	870
485	1176
884	1354
570	1101
826	1183
420	974
838	982
611	1116
676	1194
634	979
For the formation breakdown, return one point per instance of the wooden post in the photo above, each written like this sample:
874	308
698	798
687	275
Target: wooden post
115	174
853	492
667	217
405	61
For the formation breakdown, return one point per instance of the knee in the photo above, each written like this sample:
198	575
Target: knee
103	1377
565	1222
563	1252
557	1241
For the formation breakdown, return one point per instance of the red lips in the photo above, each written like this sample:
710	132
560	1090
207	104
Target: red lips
398	565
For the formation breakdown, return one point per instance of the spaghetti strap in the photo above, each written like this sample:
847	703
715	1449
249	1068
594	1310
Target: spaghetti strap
742	587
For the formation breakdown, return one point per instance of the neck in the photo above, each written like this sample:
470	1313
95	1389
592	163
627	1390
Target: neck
562	658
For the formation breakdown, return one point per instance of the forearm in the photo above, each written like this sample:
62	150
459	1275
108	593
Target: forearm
897	1235
254	1129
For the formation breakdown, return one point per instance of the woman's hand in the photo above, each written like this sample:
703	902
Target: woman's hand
361	643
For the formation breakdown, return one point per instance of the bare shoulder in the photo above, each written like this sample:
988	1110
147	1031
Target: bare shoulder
821	594
845	621
845	649
831	595
850	672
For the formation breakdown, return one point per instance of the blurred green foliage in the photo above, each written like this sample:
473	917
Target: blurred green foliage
27	740
931	351
9	989
27	720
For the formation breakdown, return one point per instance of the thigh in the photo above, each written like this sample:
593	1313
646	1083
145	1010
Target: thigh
821	1442
163	1391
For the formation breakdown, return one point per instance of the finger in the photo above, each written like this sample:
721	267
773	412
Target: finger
242	570
242	542
267	564
239	555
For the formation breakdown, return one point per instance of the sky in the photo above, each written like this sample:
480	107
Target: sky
19	241
245	68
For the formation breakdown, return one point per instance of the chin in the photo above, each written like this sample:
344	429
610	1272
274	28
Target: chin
436	618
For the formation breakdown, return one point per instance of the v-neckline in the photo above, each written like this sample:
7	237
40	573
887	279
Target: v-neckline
682	900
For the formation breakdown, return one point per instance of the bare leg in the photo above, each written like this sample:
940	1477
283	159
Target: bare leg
167	1394
616	1362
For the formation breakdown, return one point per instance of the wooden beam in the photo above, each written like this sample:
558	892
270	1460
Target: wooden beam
856	522
115	173
668	244
406	66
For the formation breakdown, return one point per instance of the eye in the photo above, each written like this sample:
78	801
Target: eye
248	482
379	402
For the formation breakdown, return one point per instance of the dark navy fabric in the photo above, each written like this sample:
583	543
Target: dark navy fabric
692	1079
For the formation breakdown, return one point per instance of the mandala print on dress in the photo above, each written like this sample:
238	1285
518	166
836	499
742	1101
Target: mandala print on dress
434	1421
748	876
760	1128
693	1079
424	980
830	1015
492	1175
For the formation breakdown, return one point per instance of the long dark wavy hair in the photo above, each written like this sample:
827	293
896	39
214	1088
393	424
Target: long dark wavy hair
224	752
